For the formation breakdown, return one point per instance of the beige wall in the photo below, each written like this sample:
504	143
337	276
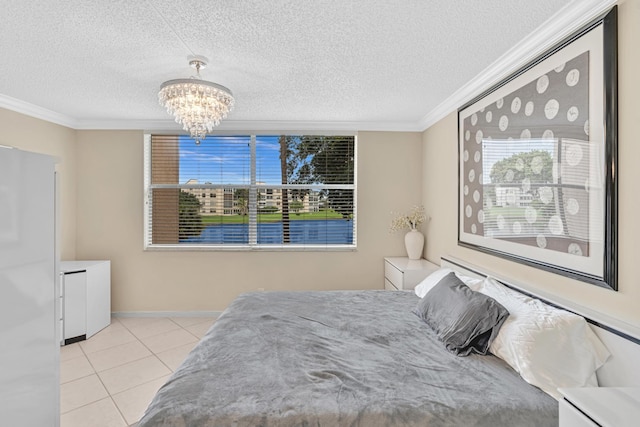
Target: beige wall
440	194
29	134
110	226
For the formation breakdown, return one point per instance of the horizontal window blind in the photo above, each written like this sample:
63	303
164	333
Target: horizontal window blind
283	191
536	187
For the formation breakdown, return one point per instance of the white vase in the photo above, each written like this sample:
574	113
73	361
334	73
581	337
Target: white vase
414	242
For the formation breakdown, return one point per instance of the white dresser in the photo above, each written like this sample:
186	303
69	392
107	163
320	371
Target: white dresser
85	299
600	407
402	273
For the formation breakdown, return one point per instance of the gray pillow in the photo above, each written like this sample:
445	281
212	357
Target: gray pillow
464	320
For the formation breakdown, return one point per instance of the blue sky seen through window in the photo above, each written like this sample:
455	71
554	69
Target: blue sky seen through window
227	160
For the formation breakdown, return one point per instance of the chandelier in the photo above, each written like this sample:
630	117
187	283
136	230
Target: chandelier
198	105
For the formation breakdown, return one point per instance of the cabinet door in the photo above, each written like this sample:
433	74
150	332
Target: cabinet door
98	297
75	304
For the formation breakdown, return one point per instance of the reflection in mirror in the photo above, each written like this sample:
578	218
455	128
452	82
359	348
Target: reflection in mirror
535	192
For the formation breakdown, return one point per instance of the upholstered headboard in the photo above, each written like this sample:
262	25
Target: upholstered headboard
622	340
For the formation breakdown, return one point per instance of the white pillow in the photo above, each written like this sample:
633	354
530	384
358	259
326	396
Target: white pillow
549	347
432	279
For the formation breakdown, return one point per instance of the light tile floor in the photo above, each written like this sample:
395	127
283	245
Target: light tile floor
109	379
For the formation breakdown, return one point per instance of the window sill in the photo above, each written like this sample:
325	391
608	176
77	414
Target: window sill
246	248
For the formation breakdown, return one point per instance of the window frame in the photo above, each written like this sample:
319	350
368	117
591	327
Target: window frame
254	189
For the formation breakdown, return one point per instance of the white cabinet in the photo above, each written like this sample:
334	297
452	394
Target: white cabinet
30	355
401	273
600	407
85	298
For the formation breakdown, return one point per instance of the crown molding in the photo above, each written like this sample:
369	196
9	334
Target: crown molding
565	22
37	112
31	110
254	125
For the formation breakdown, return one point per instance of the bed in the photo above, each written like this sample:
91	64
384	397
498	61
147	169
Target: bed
340	358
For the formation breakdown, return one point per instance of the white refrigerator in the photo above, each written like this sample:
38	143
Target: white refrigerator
30	351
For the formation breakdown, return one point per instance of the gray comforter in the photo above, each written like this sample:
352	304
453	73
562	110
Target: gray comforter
339	359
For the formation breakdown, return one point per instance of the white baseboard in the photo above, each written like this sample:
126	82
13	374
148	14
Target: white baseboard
166	313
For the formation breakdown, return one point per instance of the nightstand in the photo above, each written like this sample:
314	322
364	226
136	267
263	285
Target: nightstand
402	273
600	407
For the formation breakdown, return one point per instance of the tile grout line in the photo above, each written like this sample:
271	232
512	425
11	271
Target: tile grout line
81	377
153	352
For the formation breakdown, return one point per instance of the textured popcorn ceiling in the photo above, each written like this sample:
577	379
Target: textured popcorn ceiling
382	62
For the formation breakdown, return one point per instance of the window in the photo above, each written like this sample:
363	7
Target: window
265	192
